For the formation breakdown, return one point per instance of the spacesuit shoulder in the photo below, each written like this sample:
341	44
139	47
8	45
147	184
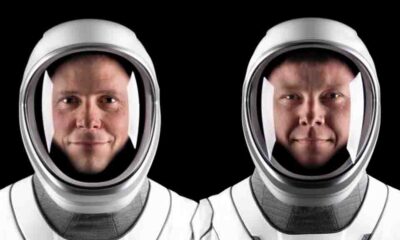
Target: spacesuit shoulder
5	198
181	211
202	222
217	218
7	219
388	225
8	226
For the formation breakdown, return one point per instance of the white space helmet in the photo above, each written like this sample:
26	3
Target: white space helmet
40	118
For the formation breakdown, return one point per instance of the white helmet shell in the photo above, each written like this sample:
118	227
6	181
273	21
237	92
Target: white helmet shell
304	33
90	35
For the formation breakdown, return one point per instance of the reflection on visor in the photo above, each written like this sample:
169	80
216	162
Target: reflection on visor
47	110
134	108
356	116
267	115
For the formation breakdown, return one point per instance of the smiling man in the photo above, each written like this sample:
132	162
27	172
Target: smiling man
311	105
311	115
90	121
90	110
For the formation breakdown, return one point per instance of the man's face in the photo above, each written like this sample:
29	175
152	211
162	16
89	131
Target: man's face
312	109
90	111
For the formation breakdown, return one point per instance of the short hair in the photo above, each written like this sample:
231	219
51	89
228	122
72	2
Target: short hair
311	55
124	63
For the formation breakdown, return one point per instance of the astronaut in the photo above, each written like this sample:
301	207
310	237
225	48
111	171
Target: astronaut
90	122
311	117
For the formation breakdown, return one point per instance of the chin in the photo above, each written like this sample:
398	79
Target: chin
92	166
92	171
312	163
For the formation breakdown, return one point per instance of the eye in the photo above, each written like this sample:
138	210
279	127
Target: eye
291	97
332	96
108	99
70	100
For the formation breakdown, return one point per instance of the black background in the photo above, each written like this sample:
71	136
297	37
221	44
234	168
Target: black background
200	55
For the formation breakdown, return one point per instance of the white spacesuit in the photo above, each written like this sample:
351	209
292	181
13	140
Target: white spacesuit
296	192
90	122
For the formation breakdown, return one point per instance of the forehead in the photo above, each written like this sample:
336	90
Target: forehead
90	73
308	74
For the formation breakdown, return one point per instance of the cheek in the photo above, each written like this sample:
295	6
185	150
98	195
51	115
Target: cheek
285	120
63	123
340	122
117	124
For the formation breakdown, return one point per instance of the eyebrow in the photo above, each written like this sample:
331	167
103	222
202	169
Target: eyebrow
66	92
291	87
108	92
296	87
288	84
72	92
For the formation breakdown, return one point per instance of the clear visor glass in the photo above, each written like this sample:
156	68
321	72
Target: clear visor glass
89	112
310	112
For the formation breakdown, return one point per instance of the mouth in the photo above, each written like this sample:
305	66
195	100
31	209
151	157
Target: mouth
90	143
312	140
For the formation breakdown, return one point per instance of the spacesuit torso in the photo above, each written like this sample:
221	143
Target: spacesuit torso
165	215
237	215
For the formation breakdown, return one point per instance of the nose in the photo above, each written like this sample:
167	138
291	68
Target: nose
89	116
312	113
